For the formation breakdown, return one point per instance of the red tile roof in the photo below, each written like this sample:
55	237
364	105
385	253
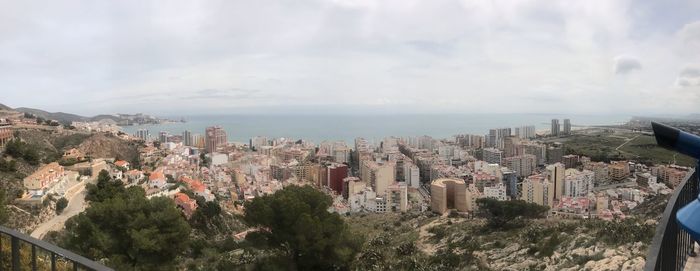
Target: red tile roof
156	175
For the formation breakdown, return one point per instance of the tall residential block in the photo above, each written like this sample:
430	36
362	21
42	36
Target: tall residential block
619	170
335	173
510	146
215	137
567	127
523	165
536	189
187	138
496	136
492	155
163	136
378	175
452	193
555	175
578	183
143	134
554	131
525	132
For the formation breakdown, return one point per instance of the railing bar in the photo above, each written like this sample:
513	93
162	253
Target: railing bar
53	261
663	250
85	262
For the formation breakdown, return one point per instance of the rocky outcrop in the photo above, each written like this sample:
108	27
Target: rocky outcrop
108	146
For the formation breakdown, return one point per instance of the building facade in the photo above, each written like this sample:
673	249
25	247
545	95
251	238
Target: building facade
214	138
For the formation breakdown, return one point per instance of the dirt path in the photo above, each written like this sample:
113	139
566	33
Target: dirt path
626	141
423	237
76	204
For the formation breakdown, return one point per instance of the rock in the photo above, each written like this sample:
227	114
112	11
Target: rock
609	253
638	248
608	264
581	251
634	264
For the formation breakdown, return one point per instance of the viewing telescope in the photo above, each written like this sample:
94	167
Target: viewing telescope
689	144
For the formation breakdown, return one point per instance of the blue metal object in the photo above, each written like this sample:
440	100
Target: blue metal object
688	216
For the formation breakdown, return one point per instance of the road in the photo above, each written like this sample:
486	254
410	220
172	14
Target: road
76	204
615	185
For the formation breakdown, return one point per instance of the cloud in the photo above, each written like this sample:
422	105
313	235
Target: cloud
690	33
200	56
689	76
626	64
223	94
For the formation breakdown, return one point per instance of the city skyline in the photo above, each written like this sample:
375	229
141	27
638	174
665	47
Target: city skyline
593	57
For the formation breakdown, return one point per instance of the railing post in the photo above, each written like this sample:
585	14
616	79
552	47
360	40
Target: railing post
53	261
1	266
33	257
15	253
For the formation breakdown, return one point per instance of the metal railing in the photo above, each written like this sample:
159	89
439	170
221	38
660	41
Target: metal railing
27	253
672	245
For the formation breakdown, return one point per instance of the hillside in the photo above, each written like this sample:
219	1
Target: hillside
103	116
50	145
65	118
109	146
428	242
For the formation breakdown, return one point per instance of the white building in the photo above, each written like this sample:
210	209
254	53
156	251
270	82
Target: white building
492	155
366	200
218	159
411	174
497	192
578	183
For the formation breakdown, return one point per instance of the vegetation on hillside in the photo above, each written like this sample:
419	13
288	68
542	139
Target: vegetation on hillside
19	149
61	204
127	230
608	147
508	214
296	223
3	210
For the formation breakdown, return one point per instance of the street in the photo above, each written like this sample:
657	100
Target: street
76	204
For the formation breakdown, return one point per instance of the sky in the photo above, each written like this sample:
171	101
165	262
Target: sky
351	56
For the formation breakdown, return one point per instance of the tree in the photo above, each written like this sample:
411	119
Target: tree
31	156
14	148
8	166
504	214
18	149
207	217
61	204
297	220
105	188
130	231
203	160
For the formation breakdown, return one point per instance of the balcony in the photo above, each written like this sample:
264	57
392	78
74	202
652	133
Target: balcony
671	247
21	252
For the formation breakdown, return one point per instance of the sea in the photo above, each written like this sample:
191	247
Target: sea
317	128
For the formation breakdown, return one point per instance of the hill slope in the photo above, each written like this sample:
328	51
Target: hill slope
65	118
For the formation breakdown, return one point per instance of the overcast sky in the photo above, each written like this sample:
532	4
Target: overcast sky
217	57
